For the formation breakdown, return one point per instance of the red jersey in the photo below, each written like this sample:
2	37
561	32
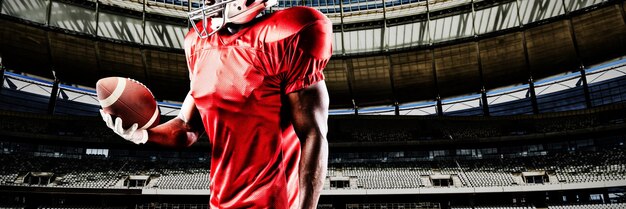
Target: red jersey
239	83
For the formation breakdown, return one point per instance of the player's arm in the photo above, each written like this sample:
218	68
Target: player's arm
181	131
309	109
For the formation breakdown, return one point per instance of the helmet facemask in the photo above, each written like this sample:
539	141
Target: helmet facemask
223	12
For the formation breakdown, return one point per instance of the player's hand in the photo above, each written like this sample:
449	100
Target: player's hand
131	134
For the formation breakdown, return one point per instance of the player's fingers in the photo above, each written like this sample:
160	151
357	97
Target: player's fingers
132	129
118	126
107	119
102	114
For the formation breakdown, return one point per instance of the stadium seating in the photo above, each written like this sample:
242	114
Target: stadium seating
574	167
577	206
399	177
590	206
79	207
171	206
493	207
184	181
421	205
100	172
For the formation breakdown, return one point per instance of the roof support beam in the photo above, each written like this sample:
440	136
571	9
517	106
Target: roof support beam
483	91
484	102
48	13
533	95
581	64
53	96
583	78
391	80
430	39
396	108
439	106
473	19
343	45
96	42
143	23
531	84
350	74
348	65
97	17
385	48
55	86
142	51
1	74
436	83
383	28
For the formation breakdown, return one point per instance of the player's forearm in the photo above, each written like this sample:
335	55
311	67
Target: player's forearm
313	165
174	133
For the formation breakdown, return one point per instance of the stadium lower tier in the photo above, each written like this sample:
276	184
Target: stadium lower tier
355	206
594	169
420	205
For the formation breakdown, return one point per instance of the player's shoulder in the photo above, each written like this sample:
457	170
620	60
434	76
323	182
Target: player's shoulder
293	20
299	16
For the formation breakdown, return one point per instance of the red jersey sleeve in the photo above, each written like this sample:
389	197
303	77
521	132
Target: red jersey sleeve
308	54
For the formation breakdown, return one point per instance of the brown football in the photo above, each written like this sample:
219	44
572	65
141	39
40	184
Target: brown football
128	99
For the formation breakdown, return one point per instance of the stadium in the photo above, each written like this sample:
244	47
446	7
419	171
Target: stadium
460	104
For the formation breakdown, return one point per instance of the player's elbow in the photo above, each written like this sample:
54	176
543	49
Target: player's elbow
192	137
184	139
319	136
310	134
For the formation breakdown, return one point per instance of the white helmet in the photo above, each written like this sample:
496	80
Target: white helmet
237	11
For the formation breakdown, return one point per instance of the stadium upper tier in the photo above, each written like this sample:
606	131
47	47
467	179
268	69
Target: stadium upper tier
404	52
344	11
363	26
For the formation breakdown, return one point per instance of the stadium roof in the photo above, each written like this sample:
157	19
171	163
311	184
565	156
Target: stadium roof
432	49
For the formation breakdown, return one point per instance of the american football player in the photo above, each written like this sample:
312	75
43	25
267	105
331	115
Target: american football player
257	87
